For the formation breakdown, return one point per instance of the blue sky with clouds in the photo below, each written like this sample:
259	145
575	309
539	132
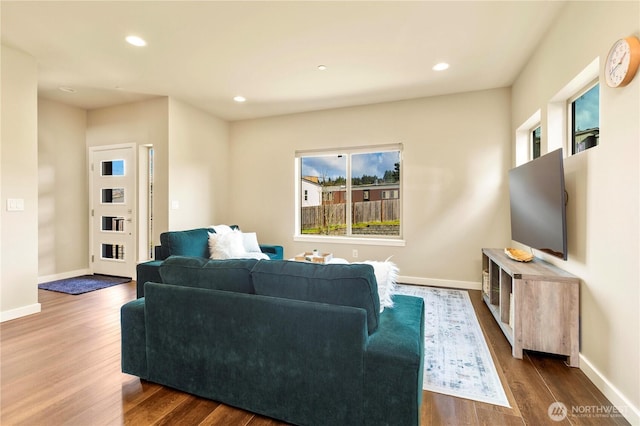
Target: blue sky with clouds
334	166
588	110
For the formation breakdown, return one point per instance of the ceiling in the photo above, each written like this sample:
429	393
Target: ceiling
206	52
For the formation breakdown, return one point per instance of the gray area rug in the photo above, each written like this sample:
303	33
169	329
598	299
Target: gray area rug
83	284
457	360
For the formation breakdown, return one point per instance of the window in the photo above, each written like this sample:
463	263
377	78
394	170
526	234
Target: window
361	192
584	110
560	114
535	143
388	195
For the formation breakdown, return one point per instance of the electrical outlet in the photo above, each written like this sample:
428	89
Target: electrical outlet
355	253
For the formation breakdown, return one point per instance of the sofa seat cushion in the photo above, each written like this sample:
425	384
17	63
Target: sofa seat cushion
227	275
346	285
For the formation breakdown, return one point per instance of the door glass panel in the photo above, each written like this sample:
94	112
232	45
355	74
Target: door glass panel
113	251
113	168
113	223
112	195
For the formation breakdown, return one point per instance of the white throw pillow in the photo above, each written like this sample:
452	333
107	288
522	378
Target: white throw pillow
221	229
227	245
386	275
255	255
250	242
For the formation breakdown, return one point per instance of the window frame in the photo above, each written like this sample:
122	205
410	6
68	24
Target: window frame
349	238
523	146
558	128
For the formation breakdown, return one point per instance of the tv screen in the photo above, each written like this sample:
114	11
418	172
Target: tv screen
538	205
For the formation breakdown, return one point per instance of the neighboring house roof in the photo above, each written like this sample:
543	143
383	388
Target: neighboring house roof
314	180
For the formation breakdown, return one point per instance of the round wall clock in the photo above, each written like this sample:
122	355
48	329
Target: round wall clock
622	62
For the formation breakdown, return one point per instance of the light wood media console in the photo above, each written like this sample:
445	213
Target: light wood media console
545	313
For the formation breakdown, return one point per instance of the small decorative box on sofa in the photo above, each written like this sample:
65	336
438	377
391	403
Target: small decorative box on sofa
193	243
300	342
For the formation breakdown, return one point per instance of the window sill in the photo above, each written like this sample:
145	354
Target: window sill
350	240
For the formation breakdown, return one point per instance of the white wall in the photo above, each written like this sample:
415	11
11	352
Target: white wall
457	151
63	205
604	193
19	180
198	167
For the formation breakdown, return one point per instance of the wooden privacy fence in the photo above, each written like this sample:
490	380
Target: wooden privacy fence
376	211
363	212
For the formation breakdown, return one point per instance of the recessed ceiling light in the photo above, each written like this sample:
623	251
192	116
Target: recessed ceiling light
239	98
136	41
441	66
67	89
322	67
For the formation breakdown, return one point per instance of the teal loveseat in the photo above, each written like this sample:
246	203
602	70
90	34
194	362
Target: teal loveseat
191	242
299	342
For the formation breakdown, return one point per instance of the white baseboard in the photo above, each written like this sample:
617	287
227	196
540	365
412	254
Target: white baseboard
20	312
433	282
36	307
613	394
63	275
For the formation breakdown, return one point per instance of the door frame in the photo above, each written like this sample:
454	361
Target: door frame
92	220
145	204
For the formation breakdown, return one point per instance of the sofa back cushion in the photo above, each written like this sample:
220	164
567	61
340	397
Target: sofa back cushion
227	275
347	285
193	242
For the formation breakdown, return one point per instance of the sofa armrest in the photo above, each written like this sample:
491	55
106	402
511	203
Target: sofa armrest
145	272
161	253
273	251
134	339
394	363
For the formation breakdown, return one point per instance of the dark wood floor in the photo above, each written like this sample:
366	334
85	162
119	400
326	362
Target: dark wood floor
62	366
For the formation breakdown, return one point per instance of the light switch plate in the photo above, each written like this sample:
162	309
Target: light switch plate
15	204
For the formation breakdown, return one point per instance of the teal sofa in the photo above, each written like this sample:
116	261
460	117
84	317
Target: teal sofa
192	242
299	342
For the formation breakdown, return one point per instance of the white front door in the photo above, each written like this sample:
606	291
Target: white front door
113	204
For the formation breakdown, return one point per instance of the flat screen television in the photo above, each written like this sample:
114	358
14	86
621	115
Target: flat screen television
538	204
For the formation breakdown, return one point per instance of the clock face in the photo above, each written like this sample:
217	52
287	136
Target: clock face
622	62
